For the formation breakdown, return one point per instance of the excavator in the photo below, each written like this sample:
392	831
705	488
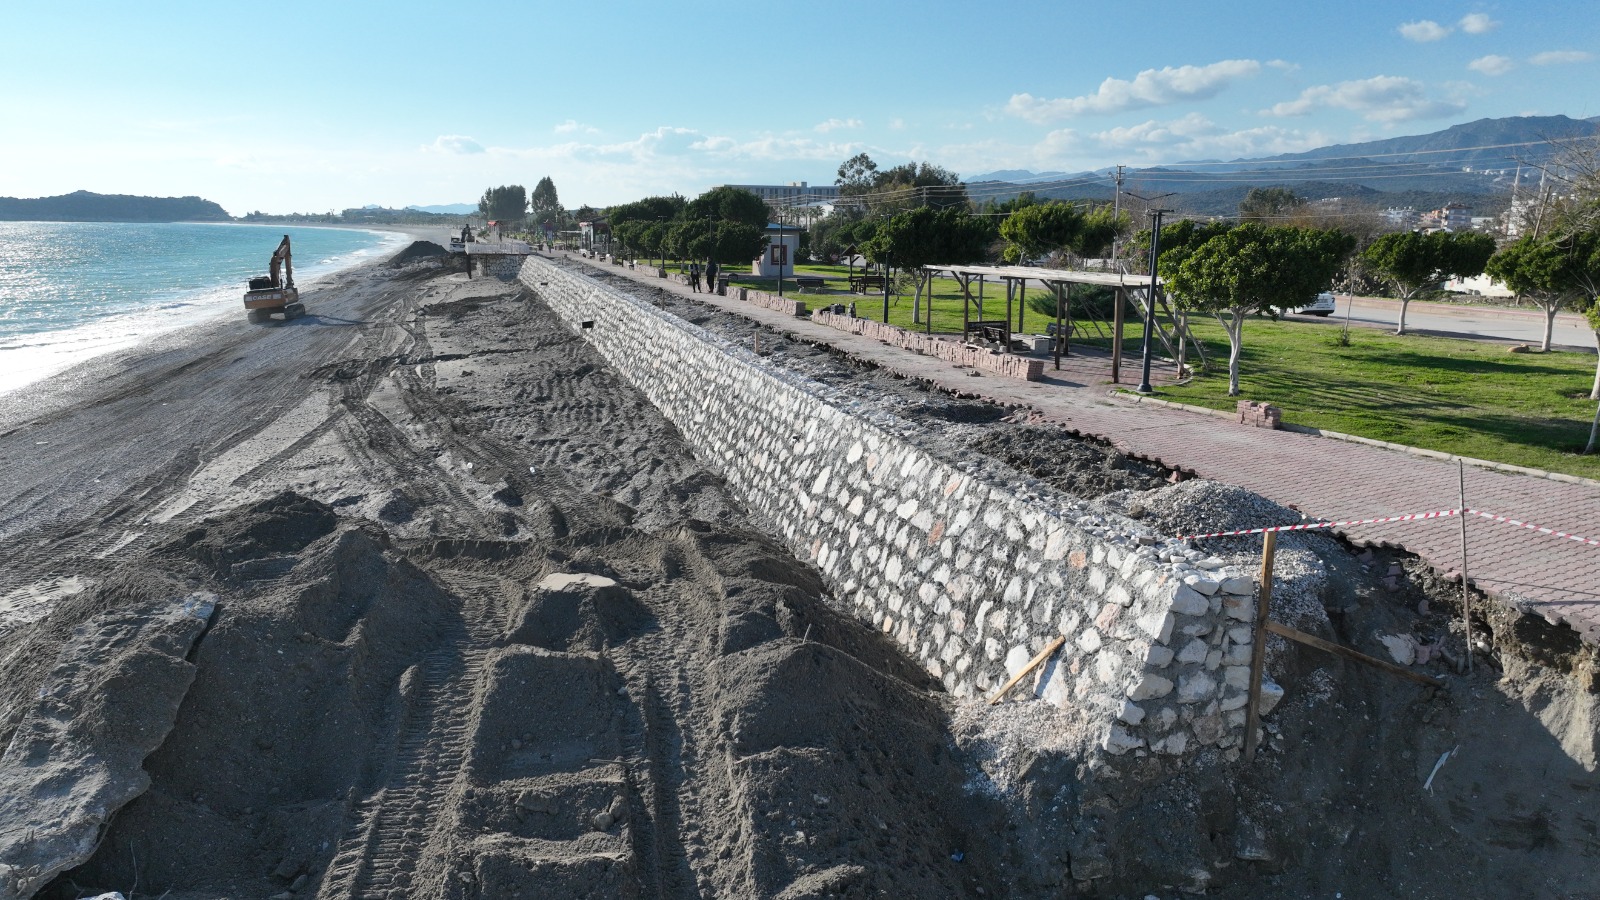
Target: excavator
270	294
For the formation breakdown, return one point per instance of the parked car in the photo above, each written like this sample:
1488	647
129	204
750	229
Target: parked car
1322	306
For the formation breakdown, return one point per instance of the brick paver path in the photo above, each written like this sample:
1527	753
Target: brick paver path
1324	478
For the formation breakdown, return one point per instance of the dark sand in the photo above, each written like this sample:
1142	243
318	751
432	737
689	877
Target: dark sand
414	597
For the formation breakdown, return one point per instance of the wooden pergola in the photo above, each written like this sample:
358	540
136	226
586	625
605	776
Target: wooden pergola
1059	282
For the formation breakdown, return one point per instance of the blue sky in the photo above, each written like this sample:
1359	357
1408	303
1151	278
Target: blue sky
309	107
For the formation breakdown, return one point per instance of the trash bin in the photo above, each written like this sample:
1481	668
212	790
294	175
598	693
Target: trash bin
722	285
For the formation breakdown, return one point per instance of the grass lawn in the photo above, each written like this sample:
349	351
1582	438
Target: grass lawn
1469	398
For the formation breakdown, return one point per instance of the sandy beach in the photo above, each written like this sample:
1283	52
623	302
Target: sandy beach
416	597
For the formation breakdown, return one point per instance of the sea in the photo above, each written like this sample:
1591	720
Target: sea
73	290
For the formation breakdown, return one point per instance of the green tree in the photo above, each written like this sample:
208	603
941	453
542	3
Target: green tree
1413	261
1553	271
1042	229
506	204
926	236
1266	204
729	204
545	205
857	175
1256	268
650	209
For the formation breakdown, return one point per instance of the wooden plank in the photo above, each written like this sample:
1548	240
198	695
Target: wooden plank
1258	650
1032	664
1312	640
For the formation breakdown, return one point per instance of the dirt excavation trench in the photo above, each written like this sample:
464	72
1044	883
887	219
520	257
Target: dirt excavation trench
415	597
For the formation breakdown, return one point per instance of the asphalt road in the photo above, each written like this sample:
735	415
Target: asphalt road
1523	326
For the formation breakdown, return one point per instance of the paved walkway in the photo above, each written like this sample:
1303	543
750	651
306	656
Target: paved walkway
1328	479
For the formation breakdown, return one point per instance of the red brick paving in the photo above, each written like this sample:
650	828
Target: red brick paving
1325	478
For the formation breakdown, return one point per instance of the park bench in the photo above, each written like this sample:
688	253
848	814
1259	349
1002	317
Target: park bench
810	282
860	284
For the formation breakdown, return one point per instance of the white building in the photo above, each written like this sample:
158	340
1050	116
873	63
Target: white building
783	246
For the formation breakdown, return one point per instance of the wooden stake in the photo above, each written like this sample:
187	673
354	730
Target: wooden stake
1466	596
1258	650
1312	640
1032	664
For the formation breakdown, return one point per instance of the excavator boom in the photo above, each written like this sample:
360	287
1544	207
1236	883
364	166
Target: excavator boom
275	292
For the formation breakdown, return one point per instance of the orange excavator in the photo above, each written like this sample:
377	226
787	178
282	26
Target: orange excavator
269	294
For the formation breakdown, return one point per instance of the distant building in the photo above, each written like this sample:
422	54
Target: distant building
1401	218
792	194
783	246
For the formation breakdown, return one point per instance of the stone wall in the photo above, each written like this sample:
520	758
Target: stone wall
975	357
967	567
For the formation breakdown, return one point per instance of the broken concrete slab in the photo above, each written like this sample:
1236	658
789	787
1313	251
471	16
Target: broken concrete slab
78	755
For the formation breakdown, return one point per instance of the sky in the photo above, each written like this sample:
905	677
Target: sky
310	107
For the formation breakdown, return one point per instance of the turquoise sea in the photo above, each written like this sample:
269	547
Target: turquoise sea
71	290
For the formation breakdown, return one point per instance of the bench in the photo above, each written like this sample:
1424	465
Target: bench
810	282
860	284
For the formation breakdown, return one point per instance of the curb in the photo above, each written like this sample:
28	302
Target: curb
1124	394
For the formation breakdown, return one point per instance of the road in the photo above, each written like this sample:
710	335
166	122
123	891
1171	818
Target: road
1525	326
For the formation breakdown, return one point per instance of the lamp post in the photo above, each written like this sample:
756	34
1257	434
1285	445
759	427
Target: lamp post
1150	296
783	254
886	255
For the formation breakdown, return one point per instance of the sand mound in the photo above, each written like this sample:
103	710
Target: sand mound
419	250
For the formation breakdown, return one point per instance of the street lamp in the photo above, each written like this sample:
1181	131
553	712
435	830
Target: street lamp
1150	295
783	254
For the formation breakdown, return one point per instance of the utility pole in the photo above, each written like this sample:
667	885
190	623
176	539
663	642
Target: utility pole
1116	211
1150	294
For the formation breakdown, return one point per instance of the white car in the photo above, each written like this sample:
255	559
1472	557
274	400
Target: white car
1322	306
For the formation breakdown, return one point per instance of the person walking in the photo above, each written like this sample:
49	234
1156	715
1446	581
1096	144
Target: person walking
711	276
694	276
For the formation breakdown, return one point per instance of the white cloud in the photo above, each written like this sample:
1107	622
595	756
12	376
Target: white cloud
455	143
1151	87
897	124
1423	31
836	124
1492	65
1283	66
573	126
1477	23
1382	98
1560	57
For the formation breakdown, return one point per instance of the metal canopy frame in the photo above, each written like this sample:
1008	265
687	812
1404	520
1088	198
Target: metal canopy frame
1059	282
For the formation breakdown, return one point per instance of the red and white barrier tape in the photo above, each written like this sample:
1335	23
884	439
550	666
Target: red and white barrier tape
1308	526
1539	528
1440	514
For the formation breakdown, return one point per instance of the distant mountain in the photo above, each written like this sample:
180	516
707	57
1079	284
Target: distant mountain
83	206
449	209
1474	163
1015	176
1457	145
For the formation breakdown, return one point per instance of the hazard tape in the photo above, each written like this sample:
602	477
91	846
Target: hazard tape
1308	526
1412	517
1539	528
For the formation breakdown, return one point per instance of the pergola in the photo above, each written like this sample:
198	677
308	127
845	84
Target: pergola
1059	282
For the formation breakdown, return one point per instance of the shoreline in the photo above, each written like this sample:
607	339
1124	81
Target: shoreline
43	355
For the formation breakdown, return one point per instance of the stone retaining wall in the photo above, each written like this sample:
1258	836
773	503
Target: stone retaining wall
960	354
784	304
969	569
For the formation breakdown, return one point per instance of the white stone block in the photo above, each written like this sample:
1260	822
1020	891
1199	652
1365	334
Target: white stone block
1237	676
1119	595
1201	583
1196	688
1150	687
1158	625
1131	713
1190	602
1271	694
1239	584
1119	741
1016	658
1193	652
1158	657
1089	641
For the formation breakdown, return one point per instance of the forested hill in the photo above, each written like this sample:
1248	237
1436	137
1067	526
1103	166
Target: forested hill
83	206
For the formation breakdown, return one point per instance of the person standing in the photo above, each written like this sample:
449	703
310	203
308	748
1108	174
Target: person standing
711	276
694	276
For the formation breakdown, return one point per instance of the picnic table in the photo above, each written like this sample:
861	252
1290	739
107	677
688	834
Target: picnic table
860	284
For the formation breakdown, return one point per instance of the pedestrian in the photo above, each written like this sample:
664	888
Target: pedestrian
711	276
694	276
